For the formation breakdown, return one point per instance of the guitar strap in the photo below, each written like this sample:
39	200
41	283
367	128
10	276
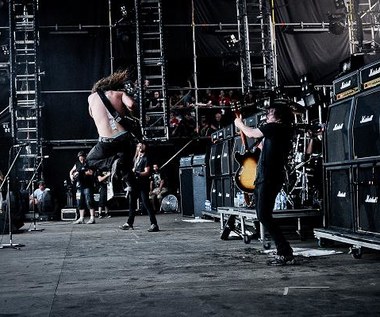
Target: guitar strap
130	123
107	103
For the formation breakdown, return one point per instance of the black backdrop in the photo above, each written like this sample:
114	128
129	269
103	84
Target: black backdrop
72	62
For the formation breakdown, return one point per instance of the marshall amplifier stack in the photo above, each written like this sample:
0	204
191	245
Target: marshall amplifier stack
346	86
352	159
370	75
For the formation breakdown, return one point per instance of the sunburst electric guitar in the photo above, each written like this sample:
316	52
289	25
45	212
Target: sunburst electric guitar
245	176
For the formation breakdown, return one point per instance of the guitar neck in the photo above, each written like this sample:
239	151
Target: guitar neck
244	141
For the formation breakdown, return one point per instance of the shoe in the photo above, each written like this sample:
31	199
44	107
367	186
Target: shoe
91	221
107	216
78	221
281	260
126	226
100	216
153	228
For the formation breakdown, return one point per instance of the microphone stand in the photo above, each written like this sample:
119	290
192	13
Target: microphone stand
34	205
6	179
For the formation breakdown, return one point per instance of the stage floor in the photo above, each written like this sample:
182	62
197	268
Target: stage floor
183	270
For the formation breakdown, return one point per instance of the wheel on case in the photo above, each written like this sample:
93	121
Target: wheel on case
247	239
356	252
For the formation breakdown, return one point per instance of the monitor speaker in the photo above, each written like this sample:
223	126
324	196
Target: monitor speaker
338	132
340	211
193	190
366	129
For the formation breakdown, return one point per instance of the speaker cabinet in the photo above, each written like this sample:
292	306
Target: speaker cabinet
222	192
193	190
340	211
368	182
186	190
215	162
228	191
217	193
366	130
225	159
338	132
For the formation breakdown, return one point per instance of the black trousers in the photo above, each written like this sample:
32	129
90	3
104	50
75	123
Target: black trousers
103	154
265	195
140	190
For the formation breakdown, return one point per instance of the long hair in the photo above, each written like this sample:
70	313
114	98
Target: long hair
114	81
282	111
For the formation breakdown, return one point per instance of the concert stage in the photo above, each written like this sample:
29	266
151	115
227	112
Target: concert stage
183	270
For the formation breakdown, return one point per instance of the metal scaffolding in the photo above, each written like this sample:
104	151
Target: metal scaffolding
363	21
151	70
25	107
257	42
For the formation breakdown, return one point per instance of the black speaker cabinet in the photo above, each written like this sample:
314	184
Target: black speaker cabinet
368	182
215	162
366	130
186	191
225	159
217	193
222	192
193	190
338	132
340	203
228	191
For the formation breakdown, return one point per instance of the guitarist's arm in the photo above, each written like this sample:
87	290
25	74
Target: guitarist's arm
73	173
248	131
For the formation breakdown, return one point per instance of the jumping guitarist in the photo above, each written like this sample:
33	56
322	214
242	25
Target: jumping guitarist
111	105
276	137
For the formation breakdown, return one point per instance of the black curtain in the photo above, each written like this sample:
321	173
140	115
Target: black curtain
315	53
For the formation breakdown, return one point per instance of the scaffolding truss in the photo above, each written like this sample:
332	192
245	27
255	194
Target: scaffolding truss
25	105
151	70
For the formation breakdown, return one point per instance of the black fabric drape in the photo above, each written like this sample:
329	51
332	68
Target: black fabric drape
315	53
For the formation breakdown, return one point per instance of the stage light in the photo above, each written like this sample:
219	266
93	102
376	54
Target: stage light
305	84
354	62
339	4
123	11
337	23
231	40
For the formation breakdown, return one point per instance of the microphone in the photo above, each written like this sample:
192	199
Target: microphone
20	145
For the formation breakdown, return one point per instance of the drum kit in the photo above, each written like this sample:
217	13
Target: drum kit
303	185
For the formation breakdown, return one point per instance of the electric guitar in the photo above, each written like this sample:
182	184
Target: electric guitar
245	176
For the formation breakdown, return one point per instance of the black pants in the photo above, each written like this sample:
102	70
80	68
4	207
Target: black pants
103	154
265	195
140	191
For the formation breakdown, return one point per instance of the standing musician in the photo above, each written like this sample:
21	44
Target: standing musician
83	176
110	105
275	146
